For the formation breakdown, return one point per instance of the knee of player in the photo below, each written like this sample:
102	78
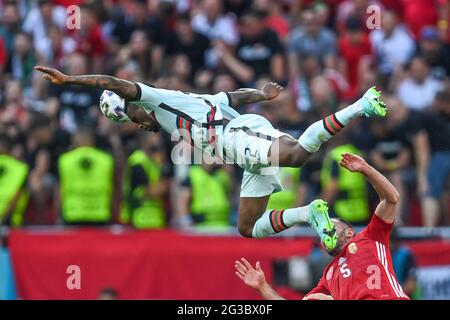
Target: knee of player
245	230
296	154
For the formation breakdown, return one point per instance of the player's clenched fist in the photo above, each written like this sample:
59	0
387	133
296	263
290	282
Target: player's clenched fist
271	90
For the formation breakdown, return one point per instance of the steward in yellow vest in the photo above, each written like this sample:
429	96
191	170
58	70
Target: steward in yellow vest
86	182
145	185
209	203
347	190
13	176
290	180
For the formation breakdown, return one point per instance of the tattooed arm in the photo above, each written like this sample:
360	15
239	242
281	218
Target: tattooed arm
246	95
123	88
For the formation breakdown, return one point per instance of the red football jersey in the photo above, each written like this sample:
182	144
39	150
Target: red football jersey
363	270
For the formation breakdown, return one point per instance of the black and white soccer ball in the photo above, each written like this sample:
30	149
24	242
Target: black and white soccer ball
113	106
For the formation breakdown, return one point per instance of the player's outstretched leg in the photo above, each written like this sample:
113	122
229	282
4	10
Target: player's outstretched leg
292	153
275	221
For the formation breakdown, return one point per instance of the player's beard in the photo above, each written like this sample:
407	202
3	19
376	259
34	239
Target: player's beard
340	244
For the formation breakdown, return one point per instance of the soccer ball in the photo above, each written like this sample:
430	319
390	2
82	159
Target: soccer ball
113	106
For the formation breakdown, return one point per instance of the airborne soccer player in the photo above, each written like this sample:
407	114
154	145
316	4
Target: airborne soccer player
210	123
362	265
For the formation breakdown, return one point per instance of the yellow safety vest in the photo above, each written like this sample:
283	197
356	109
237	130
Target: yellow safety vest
86	185
352	202
13	175
290	180
209	204
144	213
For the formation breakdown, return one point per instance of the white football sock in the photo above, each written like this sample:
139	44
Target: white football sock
322	130
274	221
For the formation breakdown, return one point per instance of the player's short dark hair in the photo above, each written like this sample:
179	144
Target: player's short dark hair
348	224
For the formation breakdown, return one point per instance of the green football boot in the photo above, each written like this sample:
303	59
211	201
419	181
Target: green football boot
320	221
372	104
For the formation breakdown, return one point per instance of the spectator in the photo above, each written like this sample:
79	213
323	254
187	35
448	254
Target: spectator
392	45
345	192
136	17
428	134
37	155
214	24
22	60
179	67
418	90
204	200
90	40
275	20
355	52
13	108
404	266
311	39
86	182
10	24
56	46
237	7
290	196
420	13
189	42
13	177
138	53
147	185
224	83
287	116
38	21
355	8
435	52
259	52
74	101
323	96
390	154
309	68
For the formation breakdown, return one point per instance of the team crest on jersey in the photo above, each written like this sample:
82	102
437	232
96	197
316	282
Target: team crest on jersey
329	273
352	248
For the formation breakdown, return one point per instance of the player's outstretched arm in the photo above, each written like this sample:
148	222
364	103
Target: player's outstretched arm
123	88
254	278
243	96
386	191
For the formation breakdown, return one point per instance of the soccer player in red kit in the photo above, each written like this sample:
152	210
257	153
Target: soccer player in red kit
362	265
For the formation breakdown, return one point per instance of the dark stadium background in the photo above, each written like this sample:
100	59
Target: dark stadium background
326	53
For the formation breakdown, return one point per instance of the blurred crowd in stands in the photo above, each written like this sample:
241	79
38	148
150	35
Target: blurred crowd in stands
62	162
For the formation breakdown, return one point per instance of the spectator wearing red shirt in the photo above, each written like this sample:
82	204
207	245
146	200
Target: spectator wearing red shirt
354	8
354	49
3	56
90	38
274	17
420	13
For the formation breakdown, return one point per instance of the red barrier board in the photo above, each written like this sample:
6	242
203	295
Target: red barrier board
156	264
140	265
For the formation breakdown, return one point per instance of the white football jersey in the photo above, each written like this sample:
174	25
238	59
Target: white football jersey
196	118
